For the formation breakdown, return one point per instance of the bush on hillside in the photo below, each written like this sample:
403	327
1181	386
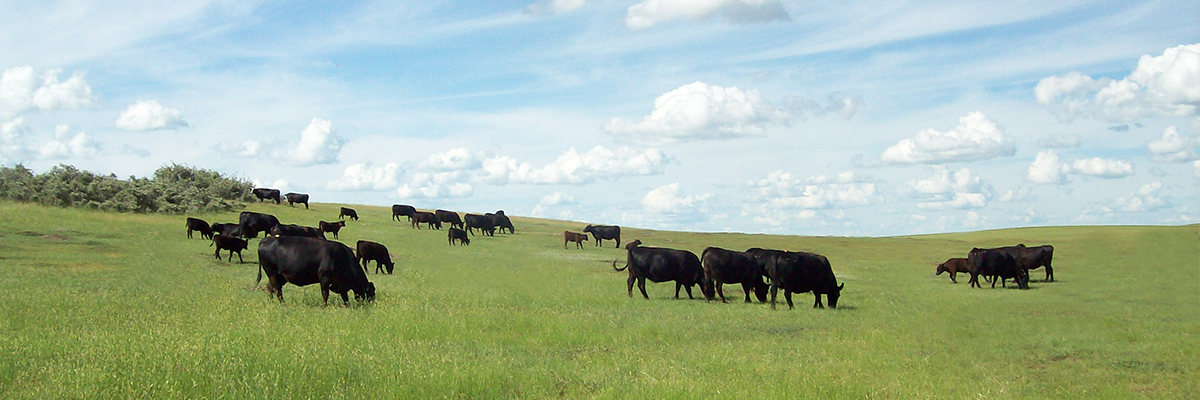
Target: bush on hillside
173	189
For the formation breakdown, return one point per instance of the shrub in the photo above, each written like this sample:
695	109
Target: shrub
173	189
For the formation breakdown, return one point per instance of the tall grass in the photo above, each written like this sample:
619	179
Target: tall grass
96	304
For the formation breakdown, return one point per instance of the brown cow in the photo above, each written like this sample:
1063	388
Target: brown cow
578	238
332	227
954	266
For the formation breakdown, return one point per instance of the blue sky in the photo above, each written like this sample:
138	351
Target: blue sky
819	118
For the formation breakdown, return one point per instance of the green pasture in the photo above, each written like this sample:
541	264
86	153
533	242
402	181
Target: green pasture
106	305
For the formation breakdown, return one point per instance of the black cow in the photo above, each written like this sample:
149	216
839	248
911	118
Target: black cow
726	266
997	263
576	237
461	235
303	261
348	213
251	223
603	232
371	251
422	217
233	244
267	194
660	265
634	243
196	224
229	229
799	272
449	216
483	222
332	227
502	222
954	266
402	209
1032	257
294	198
297	230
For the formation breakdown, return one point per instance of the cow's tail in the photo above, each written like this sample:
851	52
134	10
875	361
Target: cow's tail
260	273
614	265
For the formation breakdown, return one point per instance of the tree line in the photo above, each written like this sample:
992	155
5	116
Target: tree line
173	189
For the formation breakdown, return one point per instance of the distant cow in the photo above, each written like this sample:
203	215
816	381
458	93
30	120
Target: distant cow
233	244
727	266
661	265
402	209
303	261
502	222
295	198
459	234
266	194
954	266
450	217
229	229
799	272
371	251
422	217
297	230
604	232
1031	258
997	263
332	227
578	238
482	222
251	223
196	224
348	213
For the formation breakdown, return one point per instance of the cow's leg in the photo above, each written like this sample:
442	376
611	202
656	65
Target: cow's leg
1049	273
189	233
720	289
346	299
240	260
688	288
747	287
817	304
787	294
325	292
231	256
642	287
629	284
218	253
952	274
677	286
774	288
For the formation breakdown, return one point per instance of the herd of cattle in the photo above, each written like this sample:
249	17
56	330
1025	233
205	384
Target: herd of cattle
302	256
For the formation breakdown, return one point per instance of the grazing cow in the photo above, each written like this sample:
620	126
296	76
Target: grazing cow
483	222
954	266
348	213
422	217
726	266
297	230
634	243
660	265
294	198
303	261
229	229
332	227
798	272
233	244
371	251
251	223
402	209
997	263
1032	257
266	194
502	222
603	232
449	216
461	235
578	238
196	224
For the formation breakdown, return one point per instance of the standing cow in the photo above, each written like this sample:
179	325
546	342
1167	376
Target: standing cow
371	251
482	222
403	209
799	272
954	266
450	217
233	244
422	217
296	230
502	222
196	224
578	238
661	265
266	194
251	223
459	235
332	227
604	232
347	212
303	261
297	198
723	266
997	263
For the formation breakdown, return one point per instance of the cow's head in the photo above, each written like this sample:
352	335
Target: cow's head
708	287
390	267
833	296
587	229
760	290
941	268
367	293
633	244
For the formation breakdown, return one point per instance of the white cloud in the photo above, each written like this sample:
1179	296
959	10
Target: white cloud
556	199
22	89
65	146
551	7
781	190
573	167
1021	193
247	148
12	142
454	160
698	111
668	200
1146	198
436	185
650	12
1166	85
1196	165
1102	168
1048	168
962	190
1172	147
366	176
1059	141
975	138
148	116
281	184
319	144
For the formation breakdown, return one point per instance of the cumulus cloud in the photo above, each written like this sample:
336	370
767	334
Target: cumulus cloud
780	189
1102	168
551	7
1165	85
573	167
247	148
148	116
650	12
65	145
435	185
1146	198
1059	141
1048	168
975	138
367	176
668	200
944	190
319	144
1172	147
556	199
12	141
22	89
454	160
1196	165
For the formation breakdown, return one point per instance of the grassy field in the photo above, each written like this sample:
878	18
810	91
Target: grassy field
110	305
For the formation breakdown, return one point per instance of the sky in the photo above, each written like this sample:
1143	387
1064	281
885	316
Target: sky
764	116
